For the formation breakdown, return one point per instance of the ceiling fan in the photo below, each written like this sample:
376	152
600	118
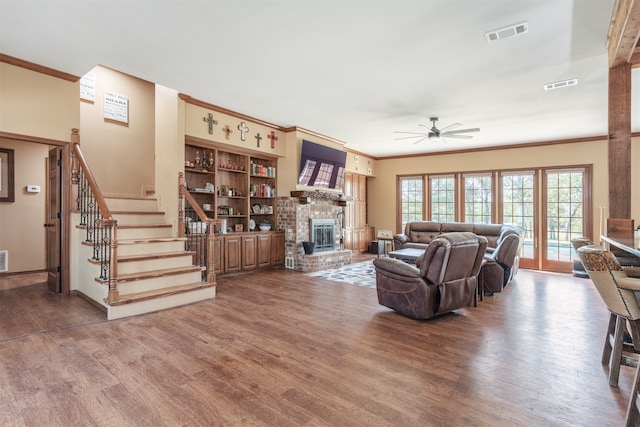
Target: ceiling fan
450	131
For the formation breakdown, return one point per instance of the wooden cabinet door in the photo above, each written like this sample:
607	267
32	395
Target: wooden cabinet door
218	255
277	249
264	250
362	240
232	253
249	252
348	184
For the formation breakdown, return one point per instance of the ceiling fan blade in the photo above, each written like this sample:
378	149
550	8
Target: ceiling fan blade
453	135
451	132
420	140
450	127
409	137
415	133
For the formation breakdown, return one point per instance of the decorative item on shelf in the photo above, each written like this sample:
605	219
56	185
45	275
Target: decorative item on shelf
212	161
265	226
252	225
209	187
243	128
197	227
198	160
309	247
239	227
255	208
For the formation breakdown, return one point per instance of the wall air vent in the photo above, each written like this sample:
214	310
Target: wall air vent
4	261
560	84
289	262
506	32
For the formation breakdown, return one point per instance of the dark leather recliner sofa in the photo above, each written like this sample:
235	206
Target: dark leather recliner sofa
499	267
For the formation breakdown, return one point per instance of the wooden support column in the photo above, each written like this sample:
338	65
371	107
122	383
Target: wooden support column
620	141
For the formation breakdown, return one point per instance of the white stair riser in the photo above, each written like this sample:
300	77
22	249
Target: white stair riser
155	283
125	310
132	204
133	218
144	233
130	267
146	248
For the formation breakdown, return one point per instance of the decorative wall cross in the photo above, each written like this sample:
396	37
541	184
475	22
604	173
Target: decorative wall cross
227	131
209	119
272	136
242	127
258	138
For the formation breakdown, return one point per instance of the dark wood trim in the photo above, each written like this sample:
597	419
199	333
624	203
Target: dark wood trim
38	68
319	135
9	155
619	146
500	147
190	100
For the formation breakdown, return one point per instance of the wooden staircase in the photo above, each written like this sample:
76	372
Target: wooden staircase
154	271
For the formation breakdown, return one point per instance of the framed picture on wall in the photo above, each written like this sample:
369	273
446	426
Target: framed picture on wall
6	175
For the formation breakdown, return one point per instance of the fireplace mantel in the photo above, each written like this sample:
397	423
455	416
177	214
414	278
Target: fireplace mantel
305	196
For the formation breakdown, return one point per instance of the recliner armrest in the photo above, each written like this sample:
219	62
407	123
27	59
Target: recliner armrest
396	267
399	240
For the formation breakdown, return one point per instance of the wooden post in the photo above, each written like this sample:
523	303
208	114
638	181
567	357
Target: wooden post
620	141
181	214
114	294
211	275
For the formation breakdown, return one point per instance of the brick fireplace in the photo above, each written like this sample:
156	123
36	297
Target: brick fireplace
294	215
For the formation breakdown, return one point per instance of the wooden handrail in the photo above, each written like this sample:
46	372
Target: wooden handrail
102	228
80	159
184	195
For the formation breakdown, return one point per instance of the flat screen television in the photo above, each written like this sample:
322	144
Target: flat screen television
321	166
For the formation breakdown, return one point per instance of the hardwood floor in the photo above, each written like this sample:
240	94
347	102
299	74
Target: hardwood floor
279	348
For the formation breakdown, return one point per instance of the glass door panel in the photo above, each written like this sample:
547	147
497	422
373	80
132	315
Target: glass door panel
518	191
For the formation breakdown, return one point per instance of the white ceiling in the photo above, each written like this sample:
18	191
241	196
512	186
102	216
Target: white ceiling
353	70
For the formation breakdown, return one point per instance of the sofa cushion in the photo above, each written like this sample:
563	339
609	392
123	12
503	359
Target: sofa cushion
422	232
490	231
456	227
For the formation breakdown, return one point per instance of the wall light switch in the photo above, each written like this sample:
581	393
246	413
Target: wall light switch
33	188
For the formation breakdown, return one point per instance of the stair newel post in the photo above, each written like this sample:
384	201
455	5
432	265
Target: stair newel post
181	204
75	167
211	276
111	258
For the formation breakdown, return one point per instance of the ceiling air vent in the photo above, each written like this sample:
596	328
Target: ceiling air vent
560	84
506	32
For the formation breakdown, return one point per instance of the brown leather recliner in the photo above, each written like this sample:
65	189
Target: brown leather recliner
497	270
444	279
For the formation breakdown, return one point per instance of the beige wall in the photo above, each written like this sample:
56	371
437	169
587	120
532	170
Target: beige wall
34	105
382	189
169	150
121	156
21	223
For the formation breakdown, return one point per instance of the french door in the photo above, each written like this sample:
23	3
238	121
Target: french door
566	214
